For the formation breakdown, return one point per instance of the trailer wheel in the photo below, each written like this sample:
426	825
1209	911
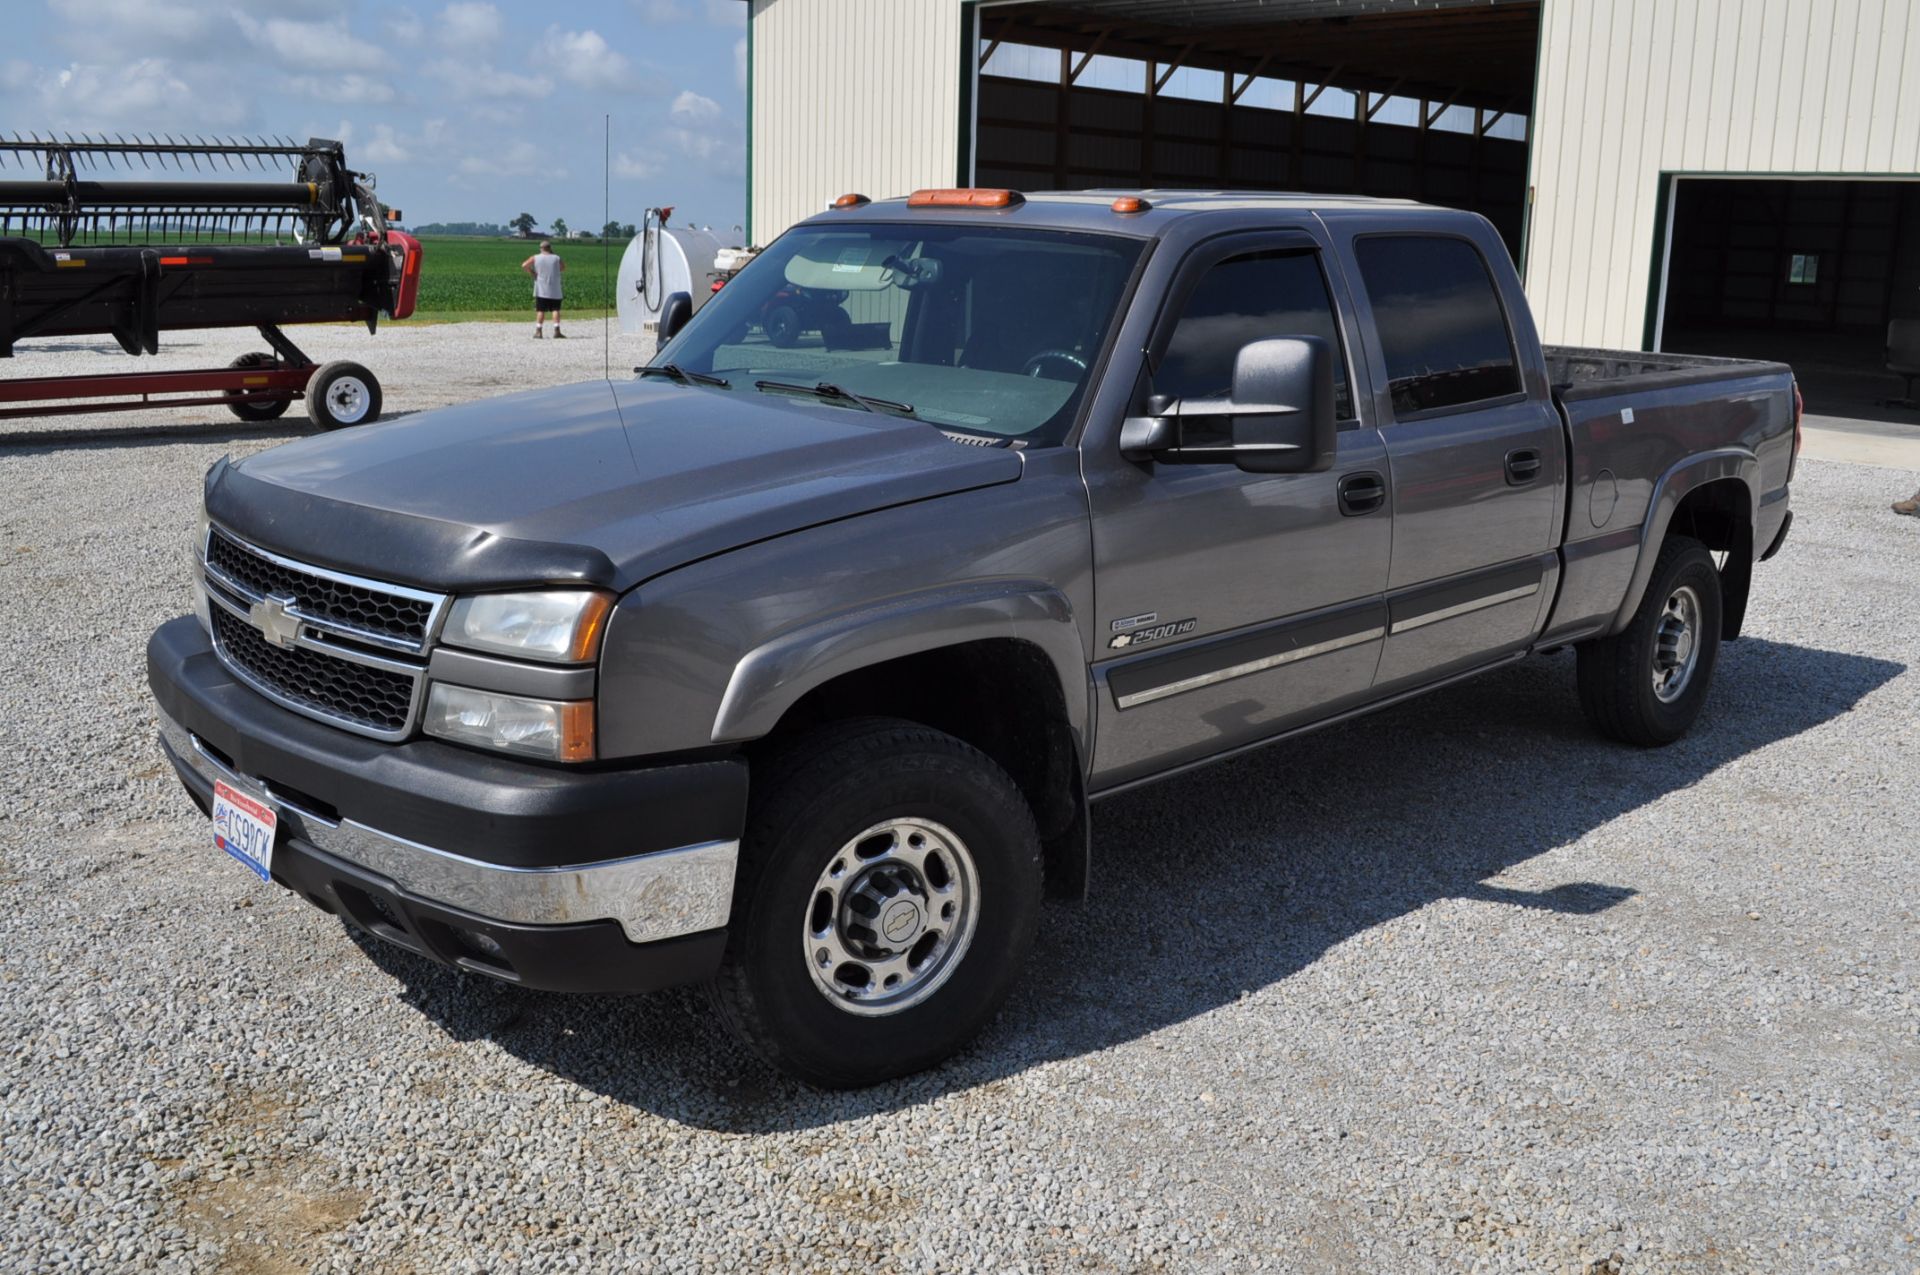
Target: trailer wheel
342	394
256	409
782	325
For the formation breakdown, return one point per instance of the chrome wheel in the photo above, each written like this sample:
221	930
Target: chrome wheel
891	916
1676	644
348	400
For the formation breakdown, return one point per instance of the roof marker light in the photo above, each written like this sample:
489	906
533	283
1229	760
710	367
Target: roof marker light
850	200
1130	204
965	197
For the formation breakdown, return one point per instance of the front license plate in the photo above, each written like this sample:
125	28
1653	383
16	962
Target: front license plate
244	829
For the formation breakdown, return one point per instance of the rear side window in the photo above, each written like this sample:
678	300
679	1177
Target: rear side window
1441	327
1249	298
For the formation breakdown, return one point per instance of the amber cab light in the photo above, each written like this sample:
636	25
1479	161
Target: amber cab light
965	197
1130	204
851	200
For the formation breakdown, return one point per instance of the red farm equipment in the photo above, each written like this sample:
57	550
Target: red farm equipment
160	248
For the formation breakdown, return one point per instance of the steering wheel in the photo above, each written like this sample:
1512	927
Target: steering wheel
1033	366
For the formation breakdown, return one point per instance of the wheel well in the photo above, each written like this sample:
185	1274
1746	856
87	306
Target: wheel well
1719	515
1000	695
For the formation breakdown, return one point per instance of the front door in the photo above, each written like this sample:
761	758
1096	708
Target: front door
1477	455
1230	606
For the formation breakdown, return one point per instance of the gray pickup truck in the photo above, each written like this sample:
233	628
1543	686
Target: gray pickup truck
797	669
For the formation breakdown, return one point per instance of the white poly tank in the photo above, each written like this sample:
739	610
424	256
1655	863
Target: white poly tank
658	263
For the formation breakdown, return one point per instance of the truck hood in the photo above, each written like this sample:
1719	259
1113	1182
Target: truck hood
602	483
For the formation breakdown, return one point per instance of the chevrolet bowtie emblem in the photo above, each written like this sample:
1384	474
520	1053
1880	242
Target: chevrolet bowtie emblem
269	615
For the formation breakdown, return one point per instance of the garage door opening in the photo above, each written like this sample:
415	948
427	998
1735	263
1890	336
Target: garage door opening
1414	99
1808	271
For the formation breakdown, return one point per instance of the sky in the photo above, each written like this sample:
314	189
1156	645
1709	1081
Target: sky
466	111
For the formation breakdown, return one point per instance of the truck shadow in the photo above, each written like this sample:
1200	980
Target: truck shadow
1219	883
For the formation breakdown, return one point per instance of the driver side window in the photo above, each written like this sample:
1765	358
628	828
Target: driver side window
1246	298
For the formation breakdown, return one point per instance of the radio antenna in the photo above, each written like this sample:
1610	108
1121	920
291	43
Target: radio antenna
606	217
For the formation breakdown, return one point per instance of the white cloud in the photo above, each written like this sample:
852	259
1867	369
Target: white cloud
85	95
740	64
386	147
468	80
522	159
351	87
470	24
405	27
698	128
585	59
313	46
636	165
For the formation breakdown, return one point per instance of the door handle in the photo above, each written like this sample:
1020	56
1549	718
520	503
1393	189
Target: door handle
1362	493
1523	466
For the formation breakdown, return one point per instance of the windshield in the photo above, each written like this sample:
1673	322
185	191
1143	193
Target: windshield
979	330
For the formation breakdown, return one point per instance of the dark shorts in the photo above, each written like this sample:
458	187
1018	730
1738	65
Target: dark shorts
543	305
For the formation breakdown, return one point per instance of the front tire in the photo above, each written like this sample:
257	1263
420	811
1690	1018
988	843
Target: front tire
342	394
889	893
1646	684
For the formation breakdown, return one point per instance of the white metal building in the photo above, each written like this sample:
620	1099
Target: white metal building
1707	174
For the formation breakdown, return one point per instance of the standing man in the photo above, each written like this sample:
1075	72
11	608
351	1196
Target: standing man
546	267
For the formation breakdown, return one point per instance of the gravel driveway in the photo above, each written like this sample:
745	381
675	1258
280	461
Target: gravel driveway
1455	987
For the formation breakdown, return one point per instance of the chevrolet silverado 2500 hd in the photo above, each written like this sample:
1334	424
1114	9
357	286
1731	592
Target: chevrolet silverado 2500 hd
796	670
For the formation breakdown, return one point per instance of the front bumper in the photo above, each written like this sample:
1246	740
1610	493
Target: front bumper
597	880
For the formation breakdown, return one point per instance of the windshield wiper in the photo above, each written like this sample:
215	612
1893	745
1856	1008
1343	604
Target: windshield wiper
675	372
834	394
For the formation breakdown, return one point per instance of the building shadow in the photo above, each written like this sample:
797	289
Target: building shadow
1218	883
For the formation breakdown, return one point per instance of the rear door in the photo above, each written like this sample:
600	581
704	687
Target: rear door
1231	605
1475	448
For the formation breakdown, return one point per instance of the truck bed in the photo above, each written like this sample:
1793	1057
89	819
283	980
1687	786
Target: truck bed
1579	372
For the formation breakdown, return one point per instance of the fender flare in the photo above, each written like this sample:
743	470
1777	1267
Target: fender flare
772	677
1674	486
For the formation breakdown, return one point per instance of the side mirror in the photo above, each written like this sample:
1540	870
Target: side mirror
1278	417
674	313
1283	407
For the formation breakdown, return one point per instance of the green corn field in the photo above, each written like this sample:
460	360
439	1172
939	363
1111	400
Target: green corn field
467	277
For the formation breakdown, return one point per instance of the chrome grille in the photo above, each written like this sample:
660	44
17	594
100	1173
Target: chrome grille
386	615
319	642
327	687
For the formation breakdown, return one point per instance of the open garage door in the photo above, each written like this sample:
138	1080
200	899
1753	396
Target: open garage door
1809	271
1415	99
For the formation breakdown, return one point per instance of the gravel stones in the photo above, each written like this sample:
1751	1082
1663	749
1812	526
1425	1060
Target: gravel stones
1455	987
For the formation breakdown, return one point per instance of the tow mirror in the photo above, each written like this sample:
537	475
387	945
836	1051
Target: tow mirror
674	313
1283	407
1278	418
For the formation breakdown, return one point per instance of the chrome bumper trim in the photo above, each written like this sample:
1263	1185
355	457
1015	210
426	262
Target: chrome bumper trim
653	896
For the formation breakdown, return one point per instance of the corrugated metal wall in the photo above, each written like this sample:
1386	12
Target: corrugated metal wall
1633	88
851	95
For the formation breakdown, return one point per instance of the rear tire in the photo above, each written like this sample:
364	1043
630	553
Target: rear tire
1646	684
853	823
342	394
256	409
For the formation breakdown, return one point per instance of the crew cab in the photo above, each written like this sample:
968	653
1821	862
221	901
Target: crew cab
798	668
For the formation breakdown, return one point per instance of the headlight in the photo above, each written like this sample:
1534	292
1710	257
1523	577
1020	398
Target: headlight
562	627
558	730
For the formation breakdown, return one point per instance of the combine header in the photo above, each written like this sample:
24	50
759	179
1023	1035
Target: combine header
130	239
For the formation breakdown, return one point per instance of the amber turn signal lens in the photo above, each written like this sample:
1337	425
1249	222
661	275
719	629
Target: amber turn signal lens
851	200
965	197
1130	204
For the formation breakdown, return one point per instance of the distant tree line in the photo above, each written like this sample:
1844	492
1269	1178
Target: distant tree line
461	228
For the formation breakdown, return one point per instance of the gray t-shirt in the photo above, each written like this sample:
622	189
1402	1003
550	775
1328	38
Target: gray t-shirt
546	276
